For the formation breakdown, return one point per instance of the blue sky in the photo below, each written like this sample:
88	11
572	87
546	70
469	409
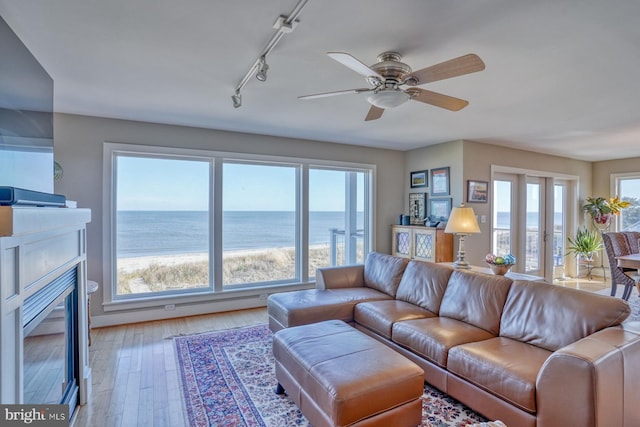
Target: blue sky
170	184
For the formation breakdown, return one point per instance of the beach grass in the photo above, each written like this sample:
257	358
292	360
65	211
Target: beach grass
156	274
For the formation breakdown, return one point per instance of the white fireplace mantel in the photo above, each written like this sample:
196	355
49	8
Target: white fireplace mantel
38	245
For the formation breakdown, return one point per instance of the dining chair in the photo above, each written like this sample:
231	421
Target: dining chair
616	244
632	240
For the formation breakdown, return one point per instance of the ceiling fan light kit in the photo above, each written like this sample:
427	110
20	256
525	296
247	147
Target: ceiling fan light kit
388	98
387	75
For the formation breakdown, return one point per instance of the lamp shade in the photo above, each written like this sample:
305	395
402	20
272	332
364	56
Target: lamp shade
462	221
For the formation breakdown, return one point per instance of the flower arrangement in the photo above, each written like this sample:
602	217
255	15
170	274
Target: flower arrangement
492	259
600	209
500	265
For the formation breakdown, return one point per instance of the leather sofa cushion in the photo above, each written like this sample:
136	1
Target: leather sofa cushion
383	272
552	317
346	276
476	298
379	316
502	366
433	337
295	308
423	284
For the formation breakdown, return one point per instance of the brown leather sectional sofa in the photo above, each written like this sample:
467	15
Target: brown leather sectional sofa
527	353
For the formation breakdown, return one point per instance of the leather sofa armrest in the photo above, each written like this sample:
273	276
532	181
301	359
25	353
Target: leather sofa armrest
592	382
349	276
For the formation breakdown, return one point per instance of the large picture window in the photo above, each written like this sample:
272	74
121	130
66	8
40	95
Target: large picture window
162	225
259	223
192	223
336	217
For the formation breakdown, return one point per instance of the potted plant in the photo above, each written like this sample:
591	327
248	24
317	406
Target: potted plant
601	209
585	244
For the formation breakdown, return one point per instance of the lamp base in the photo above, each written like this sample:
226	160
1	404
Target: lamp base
461	264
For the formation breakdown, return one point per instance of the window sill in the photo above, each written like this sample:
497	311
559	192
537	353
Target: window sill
161	301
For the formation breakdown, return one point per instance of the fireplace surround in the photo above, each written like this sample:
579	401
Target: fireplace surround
43	306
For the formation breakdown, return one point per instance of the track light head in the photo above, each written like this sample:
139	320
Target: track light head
237	99
262	70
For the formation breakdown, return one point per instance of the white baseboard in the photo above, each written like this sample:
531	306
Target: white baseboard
134	316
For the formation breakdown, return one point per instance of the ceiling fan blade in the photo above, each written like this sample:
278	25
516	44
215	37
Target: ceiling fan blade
339	92
437	99
353	63
374	113
466	64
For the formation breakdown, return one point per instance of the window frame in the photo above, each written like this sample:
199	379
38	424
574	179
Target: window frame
615	191
351	185
217	159
219	284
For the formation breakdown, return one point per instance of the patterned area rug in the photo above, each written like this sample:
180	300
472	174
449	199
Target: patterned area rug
634	302
228	379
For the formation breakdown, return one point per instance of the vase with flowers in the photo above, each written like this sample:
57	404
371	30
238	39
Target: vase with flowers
601	210
500	265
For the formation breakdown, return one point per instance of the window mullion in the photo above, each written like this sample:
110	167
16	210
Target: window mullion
303	229
216	252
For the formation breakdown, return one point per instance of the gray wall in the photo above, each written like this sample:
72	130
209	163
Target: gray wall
602	172
79	144
473	160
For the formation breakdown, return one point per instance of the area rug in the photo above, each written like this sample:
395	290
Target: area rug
228	379
634	302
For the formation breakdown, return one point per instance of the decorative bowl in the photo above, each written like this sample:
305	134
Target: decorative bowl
500	269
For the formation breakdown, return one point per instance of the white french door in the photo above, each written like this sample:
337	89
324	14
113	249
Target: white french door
529	220
535	229
504	219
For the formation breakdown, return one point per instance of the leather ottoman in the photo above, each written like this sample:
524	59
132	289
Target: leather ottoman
339	376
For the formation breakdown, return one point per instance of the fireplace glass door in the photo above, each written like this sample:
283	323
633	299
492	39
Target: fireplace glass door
50	347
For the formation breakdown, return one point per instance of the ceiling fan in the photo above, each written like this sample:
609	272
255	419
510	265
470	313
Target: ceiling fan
386	77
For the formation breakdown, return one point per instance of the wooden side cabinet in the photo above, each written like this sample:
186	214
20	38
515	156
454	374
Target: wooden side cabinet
421	243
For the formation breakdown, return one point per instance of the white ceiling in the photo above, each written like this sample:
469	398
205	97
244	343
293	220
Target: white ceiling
561	77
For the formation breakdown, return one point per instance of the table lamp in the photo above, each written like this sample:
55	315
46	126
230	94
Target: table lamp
462	222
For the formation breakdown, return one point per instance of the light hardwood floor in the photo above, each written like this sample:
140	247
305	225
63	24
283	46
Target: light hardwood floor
595	284
134	372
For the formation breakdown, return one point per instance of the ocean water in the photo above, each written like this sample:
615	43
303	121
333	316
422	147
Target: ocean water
532	219
143	233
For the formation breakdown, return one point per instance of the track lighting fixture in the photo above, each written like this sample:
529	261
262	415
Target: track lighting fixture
237	99
263	67
284	24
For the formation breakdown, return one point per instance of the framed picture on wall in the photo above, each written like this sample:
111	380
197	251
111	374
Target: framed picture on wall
417	208
477	191
440	181
419	179
439	209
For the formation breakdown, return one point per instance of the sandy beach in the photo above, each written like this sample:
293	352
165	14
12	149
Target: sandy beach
132	264
129	265
163	272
